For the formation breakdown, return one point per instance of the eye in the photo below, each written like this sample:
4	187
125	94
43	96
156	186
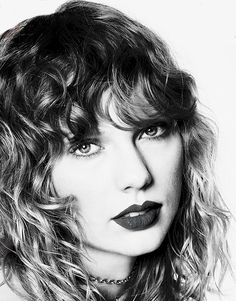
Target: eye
154	132
85	149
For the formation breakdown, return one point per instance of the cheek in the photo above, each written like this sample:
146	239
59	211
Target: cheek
167	167
173	175
68	179
174	170
166	161
174	188
84	183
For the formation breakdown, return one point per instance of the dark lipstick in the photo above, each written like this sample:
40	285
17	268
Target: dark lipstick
129	219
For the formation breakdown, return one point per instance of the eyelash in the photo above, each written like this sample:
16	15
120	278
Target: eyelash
85	142
163	126
165	131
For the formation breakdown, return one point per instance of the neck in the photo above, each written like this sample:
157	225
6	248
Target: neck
110	266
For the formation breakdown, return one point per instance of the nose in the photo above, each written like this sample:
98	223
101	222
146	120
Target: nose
132	170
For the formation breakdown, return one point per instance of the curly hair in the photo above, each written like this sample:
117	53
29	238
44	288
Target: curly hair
53	71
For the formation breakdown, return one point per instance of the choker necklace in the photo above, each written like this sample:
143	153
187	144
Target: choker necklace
113	281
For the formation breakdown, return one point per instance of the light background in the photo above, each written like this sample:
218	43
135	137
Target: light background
202	37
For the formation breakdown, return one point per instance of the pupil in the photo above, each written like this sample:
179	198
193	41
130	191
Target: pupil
84	148
151	131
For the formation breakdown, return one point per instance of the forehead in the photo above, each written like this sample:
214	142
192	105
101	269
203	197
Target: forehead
109	109
126	111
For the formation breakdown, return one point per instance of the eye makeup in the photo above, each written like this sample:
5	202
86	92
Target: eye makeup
92	145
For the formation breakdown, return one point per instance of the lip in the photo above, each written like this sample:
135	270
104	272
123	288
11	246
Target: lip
138	208
149	213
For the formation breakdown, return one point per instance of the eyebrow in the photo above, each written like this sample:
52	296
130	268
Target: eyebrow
98	133
93	133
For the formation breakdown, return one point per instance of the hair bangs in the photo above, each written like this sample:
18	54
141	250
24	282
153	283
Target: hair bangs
138	98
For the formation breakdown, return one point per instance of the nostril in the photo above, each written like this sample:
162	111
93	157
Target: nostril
137	181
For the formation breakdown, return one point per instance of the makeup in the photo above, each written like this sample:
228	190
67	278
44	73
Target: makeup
137	217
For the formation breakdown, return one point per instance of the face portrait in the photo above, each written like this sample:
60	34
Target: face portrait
108	182
115	169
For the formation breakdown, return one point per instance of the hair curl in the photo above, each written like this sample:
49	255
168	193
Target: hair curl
53	71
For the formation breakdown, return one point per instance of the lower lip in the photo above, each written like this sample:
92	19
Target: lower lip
139	222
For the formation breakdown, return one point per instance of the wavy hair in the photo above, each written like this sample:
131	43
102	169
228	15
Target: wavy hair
53	71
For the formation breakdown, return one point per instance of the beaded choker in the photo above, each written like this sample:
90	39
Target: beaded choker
113	281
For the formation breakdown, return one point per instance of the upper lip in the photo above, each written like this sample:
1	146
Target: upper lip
138	208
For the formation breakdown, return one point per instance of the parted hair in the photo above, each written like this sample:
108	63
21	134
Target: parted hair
53	71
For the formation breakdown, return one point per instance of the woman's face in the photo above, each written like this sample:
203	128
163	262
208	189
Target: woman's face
114	169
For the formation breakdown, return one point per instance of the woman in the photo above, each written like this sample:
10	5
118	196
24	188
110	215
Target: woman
107	186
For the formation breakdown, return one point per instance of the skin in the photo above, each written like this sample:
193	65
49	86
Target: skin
120	168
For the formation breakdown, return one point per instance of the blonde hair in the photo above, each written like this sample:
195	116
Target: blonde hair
50	79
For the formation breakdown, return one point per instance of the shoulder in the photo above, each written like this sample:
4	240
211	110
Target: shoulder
6	293
213	297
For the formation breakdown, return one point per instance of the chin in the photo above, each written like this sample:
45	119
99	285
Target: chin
146	241
138	249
